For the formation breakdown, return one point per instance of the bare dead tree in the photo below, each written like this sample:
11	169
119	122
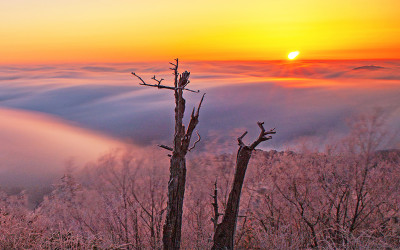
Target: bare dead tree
225	232
181	146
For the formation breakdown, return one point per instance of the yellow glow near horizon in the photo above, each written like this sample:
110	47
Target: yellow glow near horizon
121	30
293	55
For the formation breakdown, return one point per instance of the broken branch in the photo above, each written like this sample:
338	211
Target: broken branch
198	108
194	120
240	139
165	147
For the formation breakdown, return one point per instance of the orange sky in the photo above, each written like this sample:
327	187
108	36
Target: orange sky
41	31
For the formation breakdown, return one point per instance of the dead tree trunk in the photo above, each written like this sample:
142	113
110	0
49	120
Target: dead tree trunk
181	143
225	232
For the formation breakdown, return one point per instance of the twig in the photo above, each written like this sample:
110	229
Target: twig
159	81
198	140
194	91
165	147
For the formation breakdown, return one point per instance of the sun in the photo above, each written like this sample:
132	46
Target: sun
293	55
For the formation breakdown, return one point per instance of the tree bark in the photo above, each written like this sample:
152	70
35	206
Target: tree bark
224	235
225	232
176	190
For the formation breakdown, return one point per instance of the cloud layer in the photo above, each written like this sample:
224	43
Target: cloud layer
35	148
298	98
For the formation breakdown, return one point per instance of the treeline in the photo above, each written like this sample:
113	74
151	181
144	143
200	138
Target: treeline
346	197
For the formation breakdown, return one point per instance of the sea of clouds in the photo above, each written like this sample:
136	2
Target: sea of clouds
104	105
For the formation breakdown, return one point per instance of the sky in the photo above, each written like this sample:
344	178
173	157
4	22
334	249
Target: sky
44	31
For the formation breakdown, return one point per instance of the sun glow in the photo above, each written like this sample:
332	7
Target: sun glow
45	31
293	55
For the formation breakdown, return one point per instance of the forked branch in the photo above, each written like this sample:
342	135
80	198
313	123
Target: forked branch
159	81
142	82
153	85
263	135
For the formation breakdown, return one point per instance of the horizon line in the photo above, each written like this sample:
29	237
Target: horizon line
196	60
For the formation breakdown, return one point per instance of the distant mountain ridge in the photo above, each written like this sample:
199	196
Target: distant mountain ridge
369	67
